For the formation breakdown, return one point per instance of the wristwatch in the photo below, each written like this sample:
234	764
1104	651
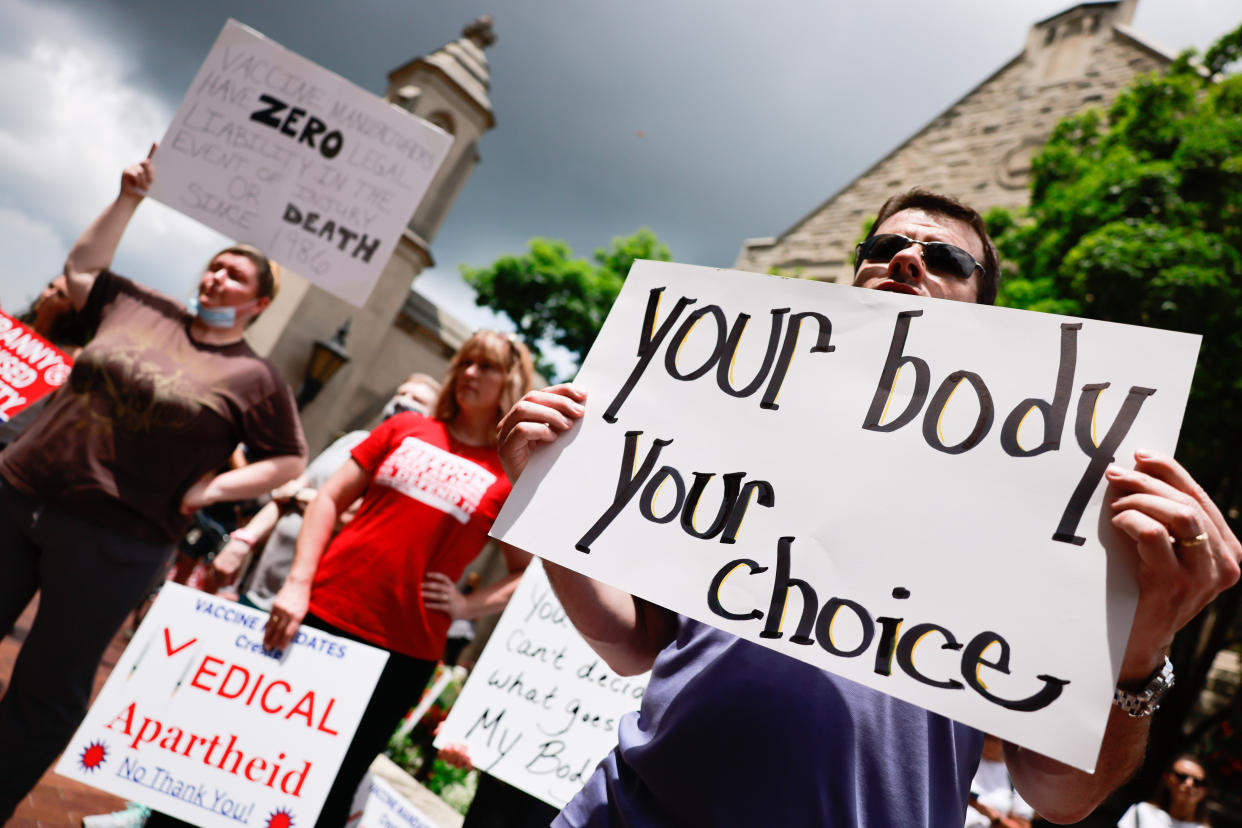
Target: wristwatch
1144	702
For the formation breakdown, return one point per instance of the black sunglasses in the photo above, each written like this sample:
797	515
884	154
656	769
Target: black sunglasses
1185	777
939	256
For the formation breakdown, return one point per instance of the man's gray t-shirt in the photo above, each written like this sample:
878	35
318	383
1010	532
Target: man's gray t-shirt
732	733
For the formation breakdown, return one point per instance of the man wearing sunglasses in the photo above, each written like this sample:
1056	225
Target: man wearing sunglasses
732	733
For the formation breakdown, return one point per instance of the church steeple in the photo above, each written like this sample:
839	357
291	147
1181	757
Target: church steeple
449	88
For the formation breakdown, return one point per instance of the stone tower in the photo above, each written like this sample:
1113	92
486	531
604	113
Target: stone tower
388	340
979	149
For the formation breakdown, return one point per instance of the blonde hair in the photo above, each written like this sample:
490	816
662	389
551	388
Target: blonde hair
504	349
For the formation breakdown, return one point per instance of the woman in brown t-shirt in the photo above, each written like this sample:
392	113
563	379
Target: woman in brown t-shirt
96	492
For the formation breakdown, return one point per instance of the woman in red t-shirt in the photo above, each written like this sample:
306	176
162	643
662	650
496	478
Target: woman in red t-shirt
430	489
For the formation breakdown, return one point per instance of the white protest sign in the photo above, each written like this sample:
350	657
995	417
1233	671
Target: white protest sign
921	482
540	709
270	149
379	805
199	722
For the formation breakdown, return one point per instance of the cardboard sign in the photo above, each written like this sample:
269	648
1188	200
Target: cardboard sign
30	367
379	805
272	150
541	708
906	492
200	722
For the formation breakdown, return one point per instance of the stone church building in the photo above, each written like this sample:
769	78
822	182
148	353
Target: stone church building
979	149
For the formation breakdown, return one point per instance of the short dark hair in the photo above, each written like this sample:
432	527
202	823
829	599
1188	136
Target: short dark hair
937	204
268	280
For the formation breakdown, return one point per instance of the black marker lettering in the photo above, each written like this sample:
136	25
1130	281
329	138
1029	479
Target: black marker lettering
822	345
780	594
972	660
713	592
1100	456
884	390
649	340
629	480
1053	414
935	410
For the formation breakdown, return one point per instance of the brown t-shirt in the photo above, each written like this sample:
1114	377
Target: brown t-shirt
146	412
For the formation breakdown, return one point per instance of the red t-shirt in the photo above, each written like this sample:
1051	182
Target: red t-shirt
428	508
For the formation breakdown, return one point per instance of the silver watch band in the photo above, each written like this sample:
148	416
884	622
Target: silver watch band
1146	701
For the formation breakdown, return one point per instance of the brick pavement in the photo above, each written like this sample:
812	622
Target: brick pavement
58	801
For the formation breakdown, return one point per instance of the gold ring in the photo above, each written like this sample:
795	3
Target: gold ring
1195	541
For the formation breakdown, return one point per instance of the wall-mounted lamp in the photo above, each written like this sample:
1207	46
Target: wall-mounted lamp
327	357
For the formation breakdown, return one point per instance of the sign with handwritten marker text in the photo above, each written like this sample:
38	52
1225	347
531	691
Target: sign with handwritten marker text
272	150
30	367
540	709
198	721
906	492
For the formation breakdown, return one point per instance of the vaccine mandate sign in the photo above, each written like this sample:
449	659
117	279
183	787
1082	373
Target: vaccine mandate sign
30	367
906	492
540	709
199	722
273	150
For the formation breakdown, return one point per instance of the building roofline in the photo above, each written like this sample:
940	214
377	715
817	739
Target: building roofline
1122	30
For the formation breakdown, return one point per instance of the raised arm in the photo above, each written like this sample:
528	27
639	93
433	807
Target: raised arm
1187	555
94	249
291	603
625	631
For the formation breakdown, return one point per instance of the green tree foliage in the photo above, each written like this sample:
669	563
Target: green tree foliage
554	298
1136	216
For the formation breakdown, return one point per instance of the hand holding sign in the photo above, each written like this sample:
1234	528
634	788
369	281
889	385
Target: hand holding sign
136	180
1186	551
539	417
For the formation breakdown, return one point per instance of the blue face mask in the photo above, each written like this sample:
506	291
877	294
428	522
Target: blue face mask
221	317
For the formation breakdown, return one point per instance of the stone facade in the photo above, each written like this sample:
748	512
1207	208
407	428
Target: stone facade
979	149
395	333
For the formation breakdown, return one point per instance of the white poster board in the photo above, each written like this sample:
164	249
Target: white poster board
379	805
920	542
540	709
199	722
272	150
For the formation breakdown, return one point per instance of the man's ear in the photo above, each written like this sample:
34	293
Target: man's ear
261	304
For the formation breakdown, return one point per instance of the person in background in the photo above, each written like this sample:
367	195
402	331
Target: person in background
96	492
993	798
431	488
1180	801
53	317
275	527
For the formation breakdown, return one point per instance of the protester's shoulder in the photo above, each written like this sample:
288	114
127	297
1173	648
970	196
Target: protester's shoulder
114	291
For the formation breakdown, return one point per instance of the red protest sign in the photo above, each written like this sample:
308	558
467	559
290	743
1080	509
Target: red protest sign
30	367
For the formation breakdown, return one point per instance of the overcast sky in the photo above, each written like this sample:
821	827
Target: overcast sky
709	122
